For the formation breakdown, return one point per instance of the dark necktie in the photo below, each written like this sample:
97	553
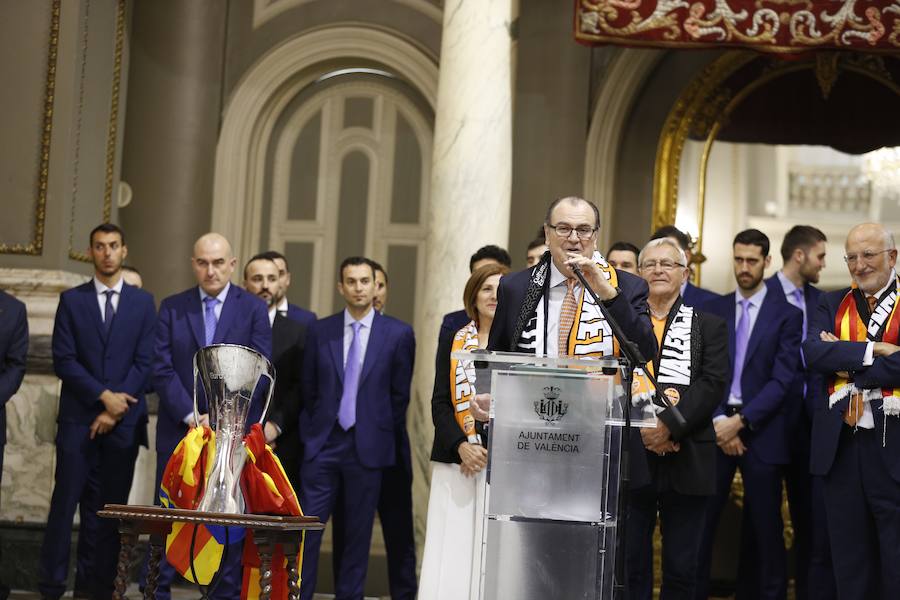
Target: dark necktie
108	311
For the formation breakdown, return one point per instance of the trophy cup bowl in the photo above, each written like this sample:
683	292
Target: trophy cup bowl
229	375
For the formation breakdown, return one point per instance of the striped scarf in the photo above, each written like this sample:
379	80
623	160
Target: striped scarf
462	381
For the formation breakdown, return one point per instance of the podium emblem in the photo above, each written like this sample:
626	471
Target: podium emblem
551	408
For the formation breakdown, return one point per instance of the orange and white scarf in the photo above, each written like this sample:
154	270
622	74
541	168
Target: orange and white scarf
883	325
462	381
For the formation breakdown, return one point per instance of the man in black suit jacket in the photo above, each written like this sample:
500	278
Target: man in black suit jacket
690	293
261	277
13	349
514	329
673	470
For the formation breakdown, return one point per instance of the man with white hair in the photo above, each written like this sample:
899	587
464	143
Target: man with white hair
852	341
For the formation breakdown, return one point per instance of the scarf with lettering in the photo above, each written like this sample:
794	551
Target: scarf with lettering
675	355
590	336
883	326
462	381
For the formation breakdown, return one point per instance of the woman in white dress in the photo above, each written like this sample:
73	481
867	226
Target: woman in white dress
450	564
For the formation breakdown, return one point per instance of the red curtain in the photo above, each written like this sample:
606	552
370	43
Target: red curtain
781	26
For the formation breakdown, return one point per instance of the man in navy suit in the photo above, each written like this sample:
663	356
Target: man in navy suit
854	443
13	350
486	255
213	312
102	350
751	421
356	383
285	308
690	293
803	253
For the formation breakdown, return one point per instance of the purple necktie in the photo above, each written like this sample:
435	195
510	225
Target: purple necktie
741	337
209	318
108	311
347	411
800	303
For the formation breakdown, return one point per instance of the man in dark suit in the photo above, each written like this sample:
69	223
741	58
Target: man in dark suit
856	435
751	422
624	257
690	293
213	312
514	327
288	339
102	350
285	308
357	370
803	255
673	471
13	350
454	321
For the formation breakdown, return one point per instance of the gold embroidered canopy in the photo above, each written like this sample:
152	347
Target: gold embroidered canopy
782	26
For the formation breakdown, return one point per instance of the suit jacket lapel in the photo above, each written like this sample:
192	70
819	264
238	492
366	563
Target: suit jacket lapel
767	305
195	317
93	307
228	314
337	346
372	353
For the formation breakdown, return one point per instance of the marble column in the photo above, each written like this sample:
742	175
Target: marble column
470	187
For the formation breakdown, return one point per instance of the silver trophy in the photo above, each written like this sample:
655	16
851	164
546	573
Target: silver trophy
229	375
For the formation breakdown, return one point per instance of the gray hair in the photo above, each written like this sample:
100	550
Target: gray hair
666	241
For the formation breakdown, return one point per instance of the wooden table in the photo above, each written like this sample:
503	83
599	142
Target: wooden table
268	532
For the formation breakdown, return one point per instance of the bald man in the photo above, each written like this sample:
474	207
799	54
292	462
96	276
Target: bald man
212	312
856	432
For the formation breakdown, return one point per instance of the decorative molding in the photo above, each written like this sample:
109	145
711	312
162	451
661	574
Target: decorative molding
624	79
262	95
36	246
112	131
266	10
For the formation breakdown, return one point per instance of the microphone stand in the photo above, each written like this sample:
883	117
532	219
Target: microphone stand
635	359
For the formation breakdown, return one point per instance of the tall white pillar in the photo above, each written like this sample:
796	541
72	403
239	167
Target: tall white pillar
470	186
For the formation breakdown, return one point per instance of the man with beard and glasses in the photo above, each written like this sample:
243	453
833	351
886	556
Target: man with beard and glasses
261	278
852	343
102	351
750	421
803	256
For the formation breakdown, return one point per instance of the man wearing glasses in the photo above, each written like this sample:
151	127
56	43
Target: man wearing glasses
852	341
537	308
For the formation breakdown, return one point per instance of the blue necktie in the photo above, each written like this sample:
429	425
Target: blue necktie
108	311
209	319
347	411
741	337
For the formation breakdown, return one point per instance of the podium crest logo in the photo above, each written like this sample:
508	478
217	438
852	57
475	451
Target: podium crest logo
550	408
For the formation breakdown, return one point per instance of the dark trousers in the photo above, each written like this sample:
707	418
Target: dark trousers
229	583
862	502
336	468
681	519
89	474
762	509
4	589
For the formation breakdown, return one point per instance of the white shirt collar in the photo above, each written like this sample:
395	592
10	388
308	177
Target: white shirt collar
366	320
891	281
221	297
756	299
101	288
283	305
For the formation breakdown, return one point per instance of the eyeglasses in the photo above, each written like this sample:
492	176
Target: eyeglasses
564	230
867	257
664	264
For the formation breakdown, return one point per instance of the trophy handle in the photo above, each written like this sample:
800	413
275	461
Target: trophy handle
269	394
196	409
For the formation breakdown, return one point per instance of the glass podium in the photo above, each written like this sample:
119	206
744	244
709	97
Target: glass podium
552	492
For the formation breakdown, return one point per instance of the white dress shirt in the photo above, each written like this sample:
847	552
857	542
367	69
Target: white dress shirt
101	296
364	332
556	295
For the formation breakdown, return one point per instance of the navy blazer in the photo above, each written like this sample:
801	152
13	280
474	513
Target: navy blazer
301	315
773	353
629	309
697	296
384	387
88	363
13	352
180	333
826	358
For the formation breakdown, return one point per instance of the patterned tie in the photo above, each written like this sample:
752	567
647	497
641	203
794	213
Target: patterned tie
347	411
108	311
857	407
566	318
741	337
209	319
